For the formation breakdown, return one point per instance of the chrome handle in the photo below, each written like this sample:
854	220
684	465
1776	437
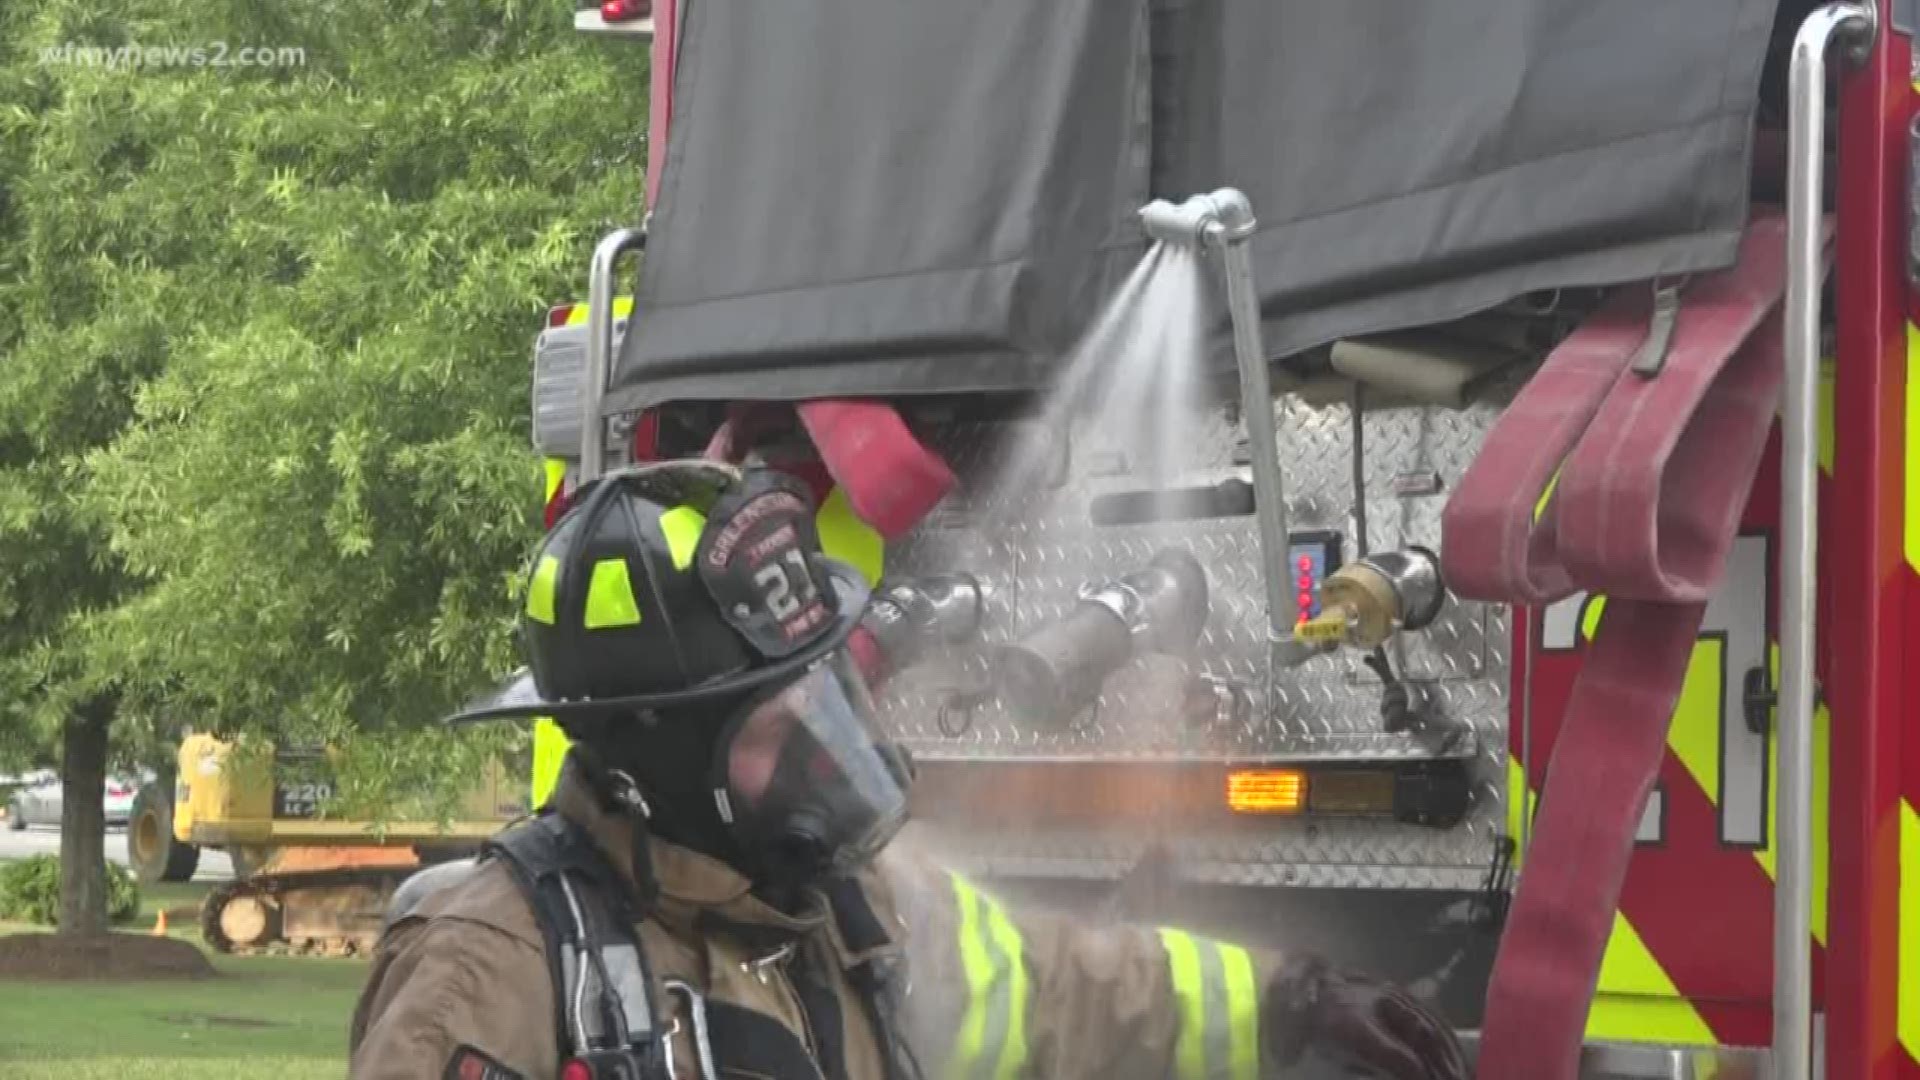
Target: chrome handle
593	429
1800	423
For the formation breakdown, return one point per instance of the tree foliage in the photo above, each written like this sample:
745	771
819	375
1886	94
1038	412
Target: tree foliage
264	340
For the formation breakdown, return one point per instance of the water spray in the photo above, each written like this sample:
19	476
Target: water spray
1058	670
1224	220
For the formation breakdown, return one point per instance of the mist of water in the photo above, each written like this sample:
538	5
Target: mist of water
1133	381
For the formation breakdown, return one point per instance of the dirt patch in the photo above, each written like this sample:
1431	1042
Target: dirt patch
115	956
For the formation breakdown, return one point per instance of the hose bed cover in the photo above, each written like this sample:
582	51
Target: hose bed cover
864	197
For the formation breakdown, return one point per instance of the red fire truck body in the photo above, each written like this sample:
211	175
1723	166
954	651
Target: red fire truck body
1689	973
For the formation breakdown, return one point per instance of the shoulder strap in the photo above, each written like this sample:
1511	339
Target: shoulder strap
872	969
602	997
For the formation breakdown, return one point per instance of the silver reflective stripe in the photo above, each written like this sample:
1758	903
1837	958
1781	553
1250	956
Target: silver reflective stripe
630	985
1213	984
992	1040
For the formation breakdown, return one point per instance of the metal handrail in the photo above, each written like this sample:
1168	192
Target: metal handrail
593	428
1800	423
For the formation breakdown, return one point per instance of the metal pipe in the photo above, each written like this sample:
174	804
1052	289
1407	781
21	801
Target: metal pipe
593	428
1231	231
1793	892
1359	406
1225	219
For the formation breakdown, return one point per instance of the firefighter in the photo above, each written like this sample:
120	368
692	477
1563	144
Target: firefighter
711	891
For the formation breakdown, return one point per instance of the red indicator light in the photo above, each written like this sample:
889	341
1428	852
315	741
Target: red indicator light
622	10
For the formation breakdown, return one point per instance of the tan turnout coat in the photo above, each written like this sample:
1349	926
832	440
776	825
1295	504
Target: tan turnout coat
984	992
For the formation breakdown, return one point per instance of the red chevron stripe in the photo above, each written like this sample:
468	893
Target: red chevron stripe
1704	909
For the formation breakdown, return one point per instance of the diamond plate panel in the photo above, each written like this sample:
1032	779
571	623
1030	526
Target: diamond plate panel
1034	546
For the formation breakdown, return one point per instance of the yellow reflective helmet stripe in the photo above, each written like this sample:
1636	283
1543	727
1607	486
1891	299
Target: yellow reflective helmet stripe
540	589
1219	1008
845	537
610	600
682	527
992	1039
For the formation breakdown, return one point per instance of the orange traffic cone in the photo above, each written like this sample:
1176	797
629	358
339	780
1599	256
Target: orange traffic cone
160	924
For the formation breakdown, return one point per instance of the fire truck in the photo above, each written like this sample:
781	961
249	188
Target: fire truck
1526	621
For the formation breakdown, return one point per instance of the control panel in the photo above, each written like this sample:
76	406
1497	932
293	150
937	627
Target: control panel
1312	556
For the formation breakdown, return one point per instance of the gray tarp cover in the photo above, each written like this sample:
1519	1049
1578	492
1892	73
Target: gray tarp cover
878	197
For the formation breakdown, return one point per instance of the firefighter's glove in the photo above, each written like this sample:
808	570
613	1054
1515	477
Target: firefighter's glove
1367	1027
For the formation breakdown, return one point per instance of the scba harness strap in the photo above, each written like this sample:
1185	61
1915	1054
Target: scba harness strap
604	1010
602	1002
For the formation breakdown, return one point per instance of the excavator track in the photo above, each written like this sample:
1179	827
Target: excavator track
316	912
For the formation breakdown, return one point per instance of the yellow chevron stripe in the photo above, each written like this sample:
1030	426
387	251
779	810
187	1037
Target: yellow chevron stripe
1822	775
1913	448
1637	1000
1909	969
1694	738
1825	444
1519	803
622	308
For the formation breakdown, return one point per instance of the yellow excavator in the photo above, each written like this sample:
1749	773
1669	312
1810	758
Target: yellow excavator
303	882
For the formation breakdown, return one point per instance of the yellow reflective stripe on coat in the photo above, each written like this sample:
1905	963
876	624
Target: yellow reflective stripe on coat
1219	1009
992	1040
549	751
556	475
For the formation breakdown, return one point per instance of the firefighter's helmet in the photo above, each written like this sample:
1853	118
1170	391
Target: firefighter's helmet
673	583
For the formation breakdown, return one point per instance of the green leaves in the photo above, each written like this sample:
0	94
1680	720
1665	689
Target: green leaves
30	891
264	337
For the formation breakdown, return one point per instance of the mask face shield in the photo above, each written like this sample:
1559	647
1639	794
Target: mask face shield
801	780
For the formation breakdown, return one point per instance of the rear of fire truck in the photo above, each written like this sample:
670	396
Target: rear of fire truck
1238	689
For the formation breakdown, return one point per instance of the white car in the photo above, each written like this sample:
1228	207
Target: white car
37	801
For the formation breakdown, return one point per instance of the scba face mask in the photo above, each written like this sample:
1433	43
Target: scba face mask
800	779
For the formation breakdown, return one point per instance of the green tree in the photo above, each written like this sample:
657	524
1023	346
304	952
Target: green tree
264	330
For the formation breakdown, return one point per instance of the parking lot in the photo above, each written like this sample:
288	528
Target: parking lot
42	839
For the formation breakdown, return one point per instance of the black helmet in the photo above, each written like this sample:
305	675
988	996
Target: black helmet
670	584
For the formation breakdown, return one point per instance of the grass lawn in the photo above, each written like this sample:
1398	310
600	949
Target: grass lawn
170	894
267	1017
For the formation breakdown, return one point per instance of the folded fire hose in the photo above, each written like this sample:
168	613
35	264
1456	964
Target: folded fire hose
891	481
1649	472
